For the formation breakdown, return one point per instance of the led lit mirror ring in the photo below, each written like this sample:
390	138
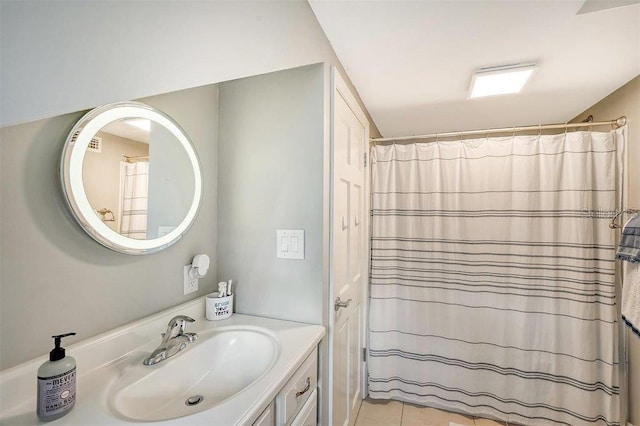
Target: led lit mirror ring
71	174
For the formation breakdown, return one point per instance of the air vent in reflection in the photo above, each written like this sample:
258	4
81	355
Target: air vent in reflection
95	145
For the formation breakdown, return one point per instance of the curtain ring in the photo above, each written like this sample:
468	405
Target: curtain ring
436	138
539	130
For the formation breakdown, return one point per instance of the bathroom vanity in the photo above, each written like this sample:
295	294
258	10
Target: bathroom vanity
244	370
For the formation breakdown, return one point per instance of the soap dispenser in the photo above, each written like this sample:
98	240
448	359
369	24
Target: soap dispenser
56	383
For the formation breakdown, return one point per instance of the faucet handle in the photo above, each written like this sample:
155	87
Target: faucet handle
177	325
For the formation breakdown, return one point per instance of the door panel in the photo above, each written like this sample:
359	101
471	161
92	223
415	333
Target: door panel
341	239
355	240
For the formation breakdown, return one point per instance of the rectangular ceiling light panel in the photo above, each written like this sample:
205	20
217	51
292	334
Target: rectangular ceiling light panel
500	80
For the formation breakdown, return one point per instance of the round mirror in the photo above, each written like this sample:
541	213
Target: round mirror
131	177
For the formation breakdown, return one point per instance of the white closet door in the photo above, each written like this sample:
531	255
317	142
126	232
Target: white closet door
349	252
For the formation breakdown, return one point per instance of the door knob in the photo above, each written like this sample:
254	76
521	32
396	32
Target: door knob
340	304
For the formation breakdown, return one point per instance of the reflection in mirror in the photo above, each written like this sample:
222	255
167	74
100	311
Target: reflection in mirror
131	177
109	172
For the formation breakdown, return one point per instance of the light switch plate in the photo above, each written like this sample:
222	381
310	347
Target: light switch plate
290	244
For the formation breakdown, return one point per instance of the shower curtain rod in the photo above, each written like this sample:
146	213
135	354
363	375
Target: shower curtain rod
619	122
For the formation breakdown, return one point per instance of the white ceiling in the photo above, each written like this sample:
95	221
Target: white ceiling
127	131
412	61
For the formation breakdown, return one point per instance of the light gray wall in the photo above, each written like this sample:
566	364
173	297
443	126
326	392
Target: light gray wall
271	176
52	53
53	277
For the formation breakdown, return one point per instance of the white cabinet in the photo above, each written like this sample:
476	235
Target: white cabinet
268	416
297	402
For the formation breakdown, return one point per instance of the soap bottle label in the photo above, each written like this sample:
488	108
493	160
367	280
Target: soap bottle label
57	394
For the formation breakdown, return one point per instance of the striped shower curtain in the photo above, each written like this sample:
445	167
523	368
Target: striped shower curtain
493	279
134	194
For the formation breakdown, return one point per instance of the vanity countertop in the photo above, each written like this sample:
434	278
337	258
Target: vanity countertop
100	360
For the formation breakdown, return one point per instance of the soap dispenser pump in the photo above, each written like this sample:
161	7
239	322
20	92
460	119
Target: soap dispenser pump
56	383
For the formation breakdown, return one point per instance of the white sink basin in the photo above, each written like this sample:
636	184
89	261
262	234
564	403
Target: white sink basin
221	364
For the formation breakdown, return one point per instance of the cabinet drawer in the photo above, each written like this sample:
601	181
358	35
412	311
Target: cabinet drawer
297	390
268	416
309	413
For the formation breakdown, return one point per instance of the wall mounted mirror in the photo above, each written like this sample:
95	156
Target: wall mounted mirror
131	177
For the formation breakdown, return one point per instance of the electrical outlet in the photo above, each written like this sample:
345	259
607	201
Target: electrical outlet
190	284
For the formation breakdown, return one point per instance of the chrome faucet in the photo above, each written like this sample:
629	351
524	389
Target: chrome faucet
173	340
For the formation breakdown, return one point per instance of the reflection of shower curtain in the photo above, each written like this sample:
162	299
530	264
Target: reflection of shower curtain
134	188
492	286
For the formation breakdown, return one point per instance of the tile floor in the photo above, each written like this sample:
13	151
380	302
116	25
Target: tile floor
394	413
